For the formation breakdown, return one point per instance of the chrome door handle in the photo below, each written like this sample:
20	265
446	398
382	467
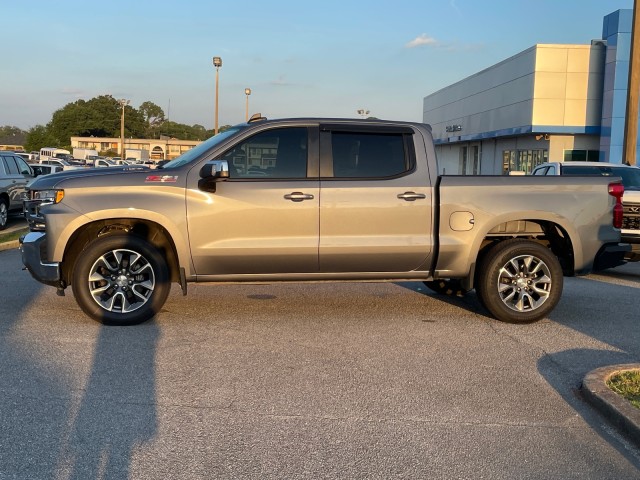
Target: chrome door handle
298	196
411	196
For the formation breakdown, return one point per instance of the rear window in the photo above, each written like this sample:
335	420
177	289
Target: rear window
630	175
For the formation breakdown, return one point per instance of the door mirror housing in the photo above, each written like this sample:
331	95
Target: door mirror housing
218	169
212	172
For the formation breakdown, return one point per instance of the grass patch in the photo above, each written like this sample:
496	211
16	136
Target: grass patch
627	384
15	235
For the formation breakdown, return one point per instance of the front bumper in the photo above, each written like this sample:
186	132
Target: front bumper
611	255
33	248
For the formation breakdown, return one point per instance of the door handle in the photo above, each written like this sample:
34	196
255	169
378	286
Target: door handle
298	196
411	196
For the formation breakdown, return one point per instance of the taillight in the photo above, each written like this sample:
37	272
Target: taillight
617	190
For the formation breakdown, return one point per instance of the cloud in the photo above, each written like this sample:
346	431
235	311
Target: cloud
74	92
281	81
421	40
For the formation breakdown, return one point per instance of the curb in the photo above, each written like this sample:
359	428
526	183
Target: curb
613	407
9	245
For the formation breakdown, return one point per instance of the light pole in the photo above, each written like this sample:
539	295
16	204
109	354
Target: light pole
247	92
123	103
217	62
362	112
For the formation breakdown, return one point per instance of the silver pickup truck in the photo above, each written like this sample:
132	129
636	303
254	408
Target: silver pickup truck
316	200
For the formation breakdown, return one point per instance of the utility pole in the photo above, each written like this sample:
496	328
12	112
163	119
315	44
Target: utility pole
631	120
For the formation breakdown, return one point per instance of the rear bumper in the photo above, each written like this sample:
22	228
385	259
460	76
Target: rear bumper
611	255
33	248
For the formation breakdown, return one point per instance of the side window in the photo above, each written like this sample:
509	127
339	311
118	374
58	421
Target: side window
368	155
12	166
551	170
3	168
541	171
22	166
277	153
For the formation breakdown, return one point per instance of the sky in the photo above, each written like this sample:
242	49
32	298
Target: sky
299	58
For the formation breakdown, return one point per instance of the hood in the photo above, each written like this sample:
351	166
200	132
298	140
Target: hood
53	179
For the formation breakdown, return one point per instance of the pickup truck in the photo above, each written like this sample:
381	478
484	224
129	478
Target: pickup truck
316	200
630	176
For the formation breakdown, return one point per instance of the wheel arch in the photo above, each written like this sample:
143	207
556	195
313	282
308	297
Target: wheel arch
152	232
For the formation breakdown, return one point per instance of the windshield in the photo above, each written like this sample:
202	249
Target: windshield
197	151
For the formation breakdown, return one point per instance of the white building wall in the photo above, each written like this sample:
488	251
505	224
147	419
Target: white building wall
497	98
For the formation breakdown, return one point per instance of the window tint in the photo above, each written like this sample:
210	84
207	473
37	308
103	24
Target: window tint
368	155
277	153
22	166
12	166
630	176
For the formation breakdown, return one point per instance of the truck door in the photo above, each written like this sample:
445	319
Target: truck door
264	218
375	202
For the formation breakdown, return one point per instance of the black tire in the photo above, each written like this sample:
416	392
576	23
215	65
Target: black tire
519	281
4	213
447	286
128	277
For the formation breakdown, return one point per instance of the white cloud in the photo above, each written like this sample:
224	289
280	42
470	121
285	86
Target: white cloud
421	40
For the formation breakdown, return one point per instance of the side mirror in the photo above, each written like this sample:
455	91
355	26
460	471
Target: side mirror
212	172
215	169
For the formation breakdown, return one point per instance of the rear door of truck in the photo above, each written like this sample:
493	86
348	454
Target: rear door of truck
375	201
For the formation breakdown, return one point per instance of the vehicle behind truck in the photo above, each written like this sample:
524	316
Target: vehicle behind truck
630	176
313	199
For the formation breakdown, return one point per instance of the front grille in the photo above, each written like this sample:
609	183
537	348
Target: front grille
631	218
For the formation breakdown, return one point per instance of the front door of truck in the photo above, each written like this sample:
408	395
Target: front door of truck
264	218
376	205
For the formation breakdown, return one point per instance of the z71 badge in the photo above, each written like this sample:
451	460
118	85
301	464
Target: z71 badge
162	178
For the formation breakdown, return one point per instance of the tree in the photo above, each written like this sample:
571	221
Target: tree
10	135
38	137
152	113
98	117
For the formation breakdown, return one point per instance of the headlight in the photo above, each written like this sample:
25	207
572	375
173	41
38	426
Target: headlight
47	196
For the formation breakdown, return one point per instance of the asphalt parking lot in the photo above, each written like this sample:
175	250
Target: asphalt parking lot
312	381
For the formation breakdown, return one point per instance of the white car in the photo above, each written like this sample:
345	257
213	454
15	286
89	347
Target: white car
630	201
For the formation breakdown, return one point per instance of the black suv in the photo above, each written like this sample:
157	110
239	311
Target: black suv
14	175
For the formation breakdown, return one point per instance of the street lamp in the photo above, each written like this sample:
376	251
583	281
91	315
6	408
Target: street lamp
362	112
123	103
217	62
247	92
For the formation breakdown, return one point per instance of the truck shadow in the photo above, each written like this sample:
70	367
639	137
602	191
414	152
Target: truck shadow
467	302
61	421
117	411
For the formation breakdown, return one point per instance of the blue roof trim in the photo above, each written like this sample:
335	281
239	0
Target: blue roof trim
525	129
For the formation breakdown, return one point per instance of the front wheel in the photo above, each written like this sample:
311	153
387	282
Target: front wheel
121	280
519	281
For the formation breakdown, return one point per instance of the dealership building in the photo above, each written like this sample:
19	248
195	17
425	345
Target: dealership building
547	103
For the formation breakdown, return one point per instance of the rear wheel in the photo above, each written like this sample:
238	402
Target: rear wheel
4	213
519	281
121	280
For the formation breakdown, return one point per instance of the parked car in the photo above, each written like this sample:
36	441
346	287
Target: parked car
15	173
44	169
103	162
630	201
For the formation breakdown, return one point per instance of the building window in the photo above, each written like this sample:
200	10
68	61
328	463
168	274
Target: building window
522	160
581	155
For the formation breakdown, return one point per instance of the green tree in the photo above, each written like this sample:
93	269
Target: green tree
98	117
38	137
10	135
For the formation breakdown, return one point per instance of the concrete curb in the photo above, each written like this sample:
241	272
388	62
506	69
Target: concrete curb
614	407
9	245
